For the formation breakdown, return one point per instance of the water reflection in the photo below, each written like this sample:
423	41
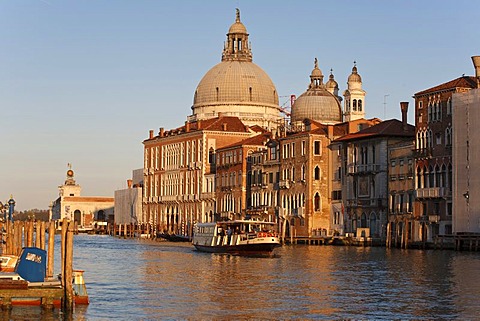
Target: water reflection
145	280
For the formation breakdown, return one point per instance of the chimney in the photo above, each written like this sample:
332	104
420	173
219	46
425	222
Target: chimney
162	132
187	126
476	64
129	183
224	127
404	108
150	135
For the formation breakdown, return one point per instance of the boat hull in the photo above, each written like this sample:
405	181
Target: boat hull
260	249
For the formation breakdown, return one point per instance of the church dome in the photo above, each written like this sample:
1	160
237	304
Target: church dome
331	83
236	86
235	82
317	102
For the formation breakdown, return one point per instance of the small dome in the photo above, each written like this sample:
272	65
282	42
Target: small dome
319	105
331	83
237	26
317	102
354	77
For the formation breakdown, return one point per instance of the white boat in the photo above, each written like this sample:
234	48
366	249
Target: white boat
239	237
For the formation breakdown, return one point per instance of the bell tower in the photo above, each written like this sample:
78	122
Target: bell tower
354	104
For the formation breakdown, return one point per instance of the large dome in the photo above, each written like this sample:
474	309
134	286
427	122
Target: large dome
235	83
317	102
236	86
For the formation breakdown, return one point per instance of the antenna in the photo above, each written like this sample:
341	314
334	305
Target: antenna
385	106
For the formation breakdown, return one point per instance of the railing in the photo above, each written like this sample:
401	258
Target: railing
432	192
365	168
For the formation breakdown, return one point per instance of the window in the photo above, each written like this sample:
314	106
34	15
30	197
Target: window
337	195
449	106
273	152
293	150
317	147
438	139
303	147
317	173
316	202
393	162
420	104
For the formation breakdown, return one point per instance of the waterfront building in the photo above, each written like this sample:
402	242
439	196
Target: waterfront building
233	175
179	172
128	202
466	158
263	182
433	155
84	210
403	227
365	185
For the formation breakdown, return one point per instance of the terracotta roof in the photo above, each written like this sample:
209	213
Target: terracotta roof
87	199
258	140
392	127
461	82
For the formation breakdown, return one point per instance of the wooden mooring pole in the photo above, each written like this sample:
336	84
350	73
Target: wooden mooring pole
68	229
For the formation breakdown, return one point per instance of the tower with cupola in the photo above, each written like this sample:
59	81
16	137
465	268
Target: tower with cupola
354	103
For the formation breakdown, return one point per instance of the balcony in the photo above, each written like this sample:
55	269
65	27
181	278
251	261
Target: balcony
423	153
432	192
365	168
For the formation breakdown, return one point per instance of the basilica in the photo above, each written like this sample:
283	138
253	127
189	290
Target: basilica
239	154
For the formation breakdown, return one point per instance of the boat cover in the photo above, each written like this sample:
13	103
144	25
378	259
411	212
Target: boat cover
32	264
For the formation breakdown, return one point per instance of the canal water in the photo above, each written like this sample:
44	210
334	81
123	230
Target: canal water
147	280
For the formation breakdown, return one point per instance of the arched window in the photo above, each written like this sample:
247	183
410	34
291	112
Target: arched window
316	202
448	136
373	224
438	177
444	176
359	105
354	105
363	221
101	215
317	173
425	177
431	177
449	106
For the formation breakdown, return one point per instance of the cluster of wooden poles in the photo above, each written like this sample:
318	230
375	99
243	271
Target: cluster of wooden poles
33	234
133	230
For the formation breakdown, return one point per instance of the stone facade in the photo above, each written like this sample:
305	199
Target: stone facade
84	210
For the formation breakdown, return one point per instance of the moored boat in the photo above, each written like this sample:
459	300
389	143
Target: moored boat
239	237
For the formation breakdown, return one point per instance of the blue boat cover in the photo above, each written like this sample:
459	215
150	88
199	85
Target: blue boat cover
32	265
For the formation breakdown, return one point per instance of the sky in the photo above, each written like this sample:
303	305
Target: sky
83	82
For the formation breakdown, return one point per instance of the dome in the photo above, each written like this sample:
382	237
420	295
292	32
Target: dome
319	105
235	82
331	83
354	76
236	86
317	102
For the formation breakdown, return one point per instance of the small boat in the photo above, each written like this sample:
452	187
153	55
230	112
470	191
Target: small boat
30	273
8	263
174	237
238	237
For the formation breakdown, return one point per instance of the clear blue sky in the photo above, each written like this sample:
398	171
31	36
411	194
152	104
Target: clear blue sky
83	82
